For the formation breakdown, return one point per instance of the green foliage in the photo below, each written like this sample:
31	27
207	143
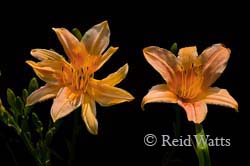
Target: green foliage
174	48
77	33
19	103
37	123
27	124
11	97
8	119
49	134
25	94
33	85
201	148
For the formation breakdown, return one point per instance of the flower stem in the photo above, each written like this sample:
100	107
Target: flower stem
178	123
31	149
201	148
72	144
12	154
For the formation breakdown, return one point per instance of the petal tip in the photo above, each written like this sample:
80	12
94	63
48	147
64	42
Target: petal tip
94	131
150	48
53	116
126	68
236	107
195	120
131	98
105	22
29	101
115	48
58	30
146	49
28	104
142	106
28	62
33	51
143	103
55	29
219	45
54	119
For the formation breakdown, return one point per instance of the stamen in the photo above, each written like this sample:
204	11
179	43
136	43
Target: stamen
185	82
81	82
80	79
191	81
182	83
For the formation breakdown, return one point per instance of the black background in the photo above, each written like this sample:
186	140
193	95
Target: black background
122	127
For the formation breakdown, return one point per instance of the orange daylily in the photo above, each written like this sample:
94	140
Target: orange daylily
72	83
189	78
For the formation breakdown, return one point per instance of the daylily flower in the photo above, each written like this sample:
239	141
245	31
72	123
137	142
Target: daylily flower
72	83
189	78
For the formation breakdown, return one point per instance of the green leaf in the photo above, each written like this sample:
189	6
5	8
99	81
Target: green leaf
33	85
77	33
11	98
26	111
18	129
37	123
43	150
47	162
174	48
2	107
40	148
56	155
8	120
25	94
52	128
28	134
19	104
4	117
24	123
49	135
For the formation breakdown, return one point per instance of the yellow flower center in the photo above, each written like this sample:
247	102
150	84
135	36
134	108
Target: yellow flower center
77	79
189	81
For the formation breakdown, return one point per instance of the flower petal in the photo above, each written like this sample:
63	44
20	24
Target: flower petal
196	111
96	39
162	61
159	93
89	114
45	73
43	54
43	93
116	77
51	71
107	95
214	60
74	49
105	57
221	97
64	103
187	56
